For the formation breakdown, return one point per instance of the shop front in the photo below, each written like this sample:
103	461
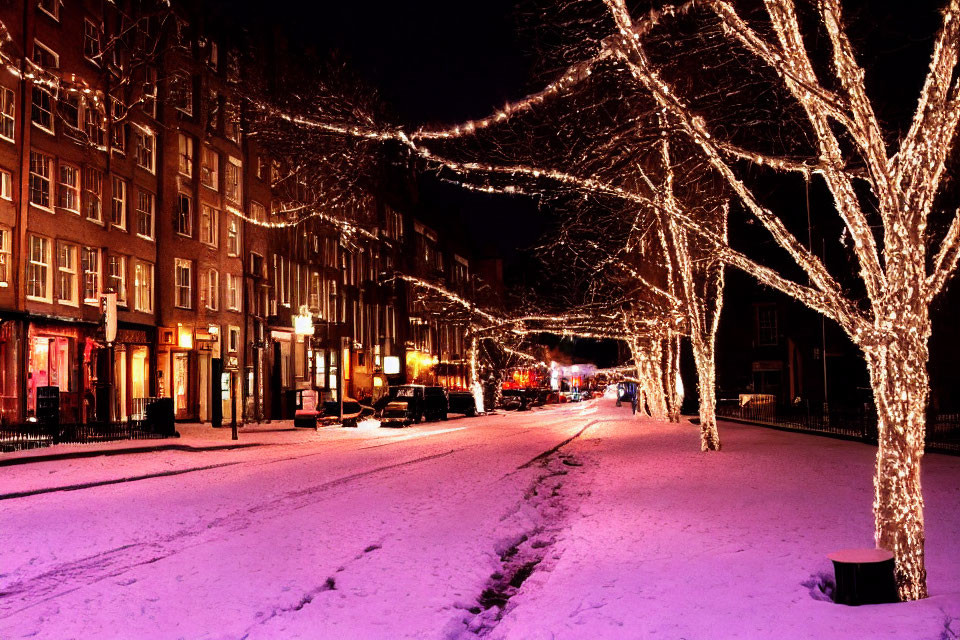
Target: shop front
131	372
176	371
67	357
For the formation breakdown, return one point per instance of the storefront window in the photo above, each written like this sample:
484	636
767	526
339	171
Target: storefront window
50	365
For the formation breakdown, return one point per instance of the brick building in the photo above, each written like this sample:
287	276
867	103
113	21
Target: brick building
124	170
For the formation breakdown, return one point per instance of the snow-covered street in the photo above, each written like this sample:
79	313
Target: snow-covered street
572	522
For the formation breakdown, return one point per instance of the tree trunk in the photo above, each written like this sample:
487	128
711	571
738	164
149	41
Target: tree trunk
898	376
671	394
703	354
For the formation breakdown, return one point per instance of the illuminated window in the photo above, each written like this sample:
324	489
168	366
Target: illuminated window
183	283
232	180
143	287
233	292
68	188
5	256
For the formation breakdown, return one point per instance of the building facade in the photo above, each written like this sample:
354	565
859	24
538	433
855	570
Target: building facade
125	172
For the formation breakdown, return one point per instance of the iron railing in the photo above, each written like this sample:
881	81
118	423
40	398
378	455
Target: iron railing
943	429
14	437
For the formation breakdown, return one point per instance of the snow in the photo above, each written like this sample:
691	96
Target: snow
469	527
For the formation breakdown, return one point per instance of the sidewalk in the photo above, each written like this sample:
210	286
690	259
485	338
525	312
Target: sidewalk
194	436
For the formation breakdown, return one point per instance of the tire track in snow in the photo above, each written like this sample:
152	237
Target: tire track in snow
65	578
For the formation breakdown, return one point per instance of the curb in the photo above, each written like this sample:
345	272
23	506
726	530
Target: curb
50	457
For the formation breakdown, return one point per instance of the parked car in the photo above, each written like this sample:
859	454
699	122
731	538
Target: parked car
462	402
435	403
330	414
395	414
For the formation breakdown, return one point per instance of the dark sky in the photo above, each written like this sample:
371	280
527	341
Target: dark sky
437	62
433	62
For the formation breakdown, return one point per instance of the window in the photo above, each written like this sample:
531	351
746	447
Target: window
93	119
50	7
69	111
93	194
209	225
233	339
209	168
232	179
263	167
5	256
38	269
118	210
91	42
258	212
313	296
7	112
231	121
68	194
186	155
117	277
44	56
213	290
149	88
90	260
143	286
67	274
183	283
145	202
767	325
118	129
233	292
41	170
213	111
6	185
146	150
183	218
182	89
233	236
41	111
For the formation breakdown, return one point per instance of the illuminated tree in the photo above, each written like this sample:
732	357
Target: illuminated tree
746	91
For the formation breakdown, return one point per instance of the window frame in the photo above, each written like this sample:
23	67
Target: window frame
182	266
8	102
96	274
142	136
64	189
212	290
93	195
152	213
123	202
142	268
72	272
209	225
6	254
121	287
32	264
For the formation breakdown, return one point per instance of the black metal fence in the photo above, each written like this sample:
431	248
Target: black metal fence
943	429
14	437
